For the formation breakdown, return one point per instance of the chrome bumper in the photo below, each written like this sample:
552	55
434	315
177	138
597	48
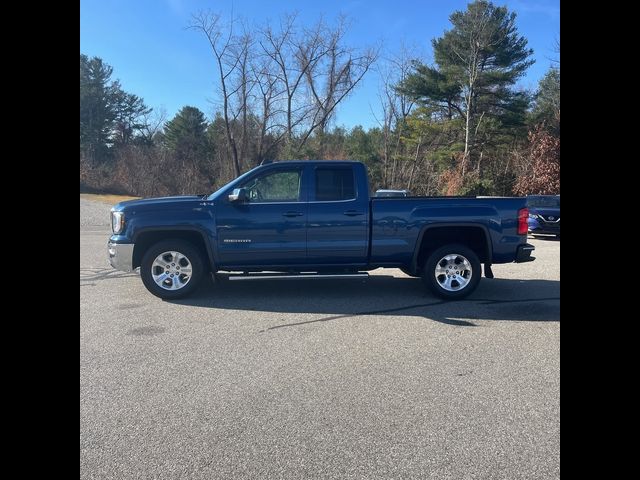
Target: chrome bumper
121	256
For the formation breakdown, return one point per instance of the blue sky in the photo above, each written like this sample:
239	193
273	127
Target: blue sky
155	57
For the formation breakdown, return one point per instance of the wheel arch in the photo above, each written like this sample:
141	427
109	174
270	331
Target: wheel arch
146	237
474	236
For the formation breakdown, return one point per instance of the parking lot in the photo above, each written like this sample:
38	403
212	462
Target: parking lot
371	378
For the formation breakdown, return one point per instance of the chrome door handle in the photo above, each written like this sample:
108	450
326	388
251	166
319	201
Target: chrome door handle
353	213
293	214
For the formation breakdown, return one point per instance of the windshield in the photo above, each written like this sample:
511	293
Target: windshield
544	202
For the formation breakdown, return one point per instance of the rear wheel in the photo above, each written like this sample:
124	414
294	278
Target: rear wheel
452	271
171	269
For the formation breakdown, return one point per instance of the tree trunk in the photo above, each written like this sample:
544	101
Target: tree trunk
289	121
231	143
467	132
415	163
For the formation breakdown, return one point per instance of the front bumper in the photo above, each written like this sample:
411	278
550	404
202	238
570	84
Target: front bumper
121	256
523	253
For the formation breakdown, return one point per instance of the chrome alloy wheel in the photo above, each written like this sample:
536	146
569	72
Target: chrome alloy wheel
171	270
453	272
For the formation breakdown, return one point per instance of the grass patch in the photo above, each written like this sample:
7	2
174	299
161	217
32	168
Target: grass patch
107	198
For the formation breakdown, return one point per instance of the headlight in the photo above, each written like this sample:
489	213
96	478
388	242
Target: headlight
117	221
533	215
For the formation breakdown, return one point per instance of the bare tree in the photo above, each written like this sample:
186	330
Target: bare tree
285	81
221	41
283	47
242	83
333	74
266	82
396	107
555	61
314	73
153	123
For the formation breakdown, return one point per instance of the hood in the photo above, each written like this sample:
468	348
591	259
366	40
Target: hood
179	201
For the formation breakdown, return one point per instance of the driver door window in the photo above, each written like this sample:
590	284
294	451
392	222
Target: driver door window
280	186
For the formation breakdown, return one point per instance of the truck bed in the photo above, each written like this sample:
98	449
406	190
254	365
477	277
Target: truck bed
398	223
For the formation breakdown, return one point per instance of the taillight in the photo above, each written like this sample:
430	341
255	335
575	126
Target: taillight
523	226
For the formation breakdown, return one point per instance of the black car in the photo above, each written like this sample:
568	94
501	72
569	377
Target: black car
544	214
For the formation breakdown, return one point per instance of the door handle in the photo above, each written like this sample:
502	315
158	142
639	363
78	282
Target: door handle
292	214
352	213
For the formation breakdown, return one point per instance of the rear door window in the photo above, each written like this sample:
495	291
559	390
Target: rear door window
335	184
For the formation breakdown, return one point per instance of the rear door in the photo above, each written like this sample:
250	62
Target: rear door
338	219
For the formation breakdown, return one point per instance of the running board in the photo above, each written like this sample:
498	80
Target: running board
276	276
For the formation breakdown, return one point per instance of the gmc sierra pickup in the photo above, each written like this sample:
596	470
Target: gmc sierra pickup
315	219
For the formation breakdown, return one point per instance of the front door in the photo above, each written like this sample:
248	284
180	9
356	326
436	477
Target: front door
269	229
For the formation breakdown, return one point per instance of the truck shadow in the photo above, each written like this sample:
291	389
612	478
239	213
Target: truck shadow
494	299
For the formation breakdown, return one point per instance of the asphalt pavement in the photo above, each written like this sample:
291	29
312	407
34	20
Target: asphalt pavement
339	379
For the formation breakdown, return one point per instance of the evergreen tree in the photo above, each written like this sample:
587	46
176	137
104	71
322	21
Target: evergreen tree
186	133
477	63
130	111
97	112
108	114
547	106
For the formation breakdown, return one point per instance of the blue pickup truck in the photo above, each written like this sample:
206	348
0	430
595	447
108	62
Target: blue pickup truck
315	219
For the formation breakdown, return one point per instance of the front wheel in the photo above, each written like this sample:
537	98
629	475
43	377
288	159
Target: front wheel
408	272
171	269
452	271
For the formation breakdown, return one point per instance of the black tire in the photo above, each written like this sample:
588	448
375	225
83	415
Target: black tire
194	258
434	284
406	271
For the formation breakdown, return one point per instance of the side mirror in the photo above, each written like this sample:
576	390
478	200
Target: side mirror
239	195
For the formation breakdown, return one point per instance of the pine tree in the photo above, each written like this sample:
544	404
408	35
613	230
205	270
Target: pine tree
477	63
547	106
108	114
186	133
